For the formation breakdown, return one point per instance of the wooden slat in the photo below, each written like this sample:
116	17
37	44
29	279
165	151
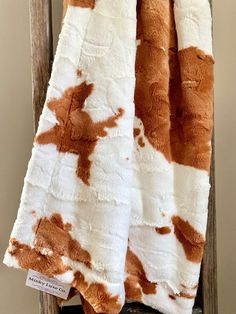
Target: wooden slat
41	52
48	304
209	265
41	61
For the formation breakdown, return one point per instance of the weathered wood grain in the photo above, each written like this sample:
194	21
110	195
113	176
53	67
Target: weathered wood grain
48	304
41	61
41	52
209	265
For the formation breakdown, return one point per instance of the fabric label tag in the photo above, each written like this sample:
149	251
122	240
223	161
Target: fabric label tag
50	285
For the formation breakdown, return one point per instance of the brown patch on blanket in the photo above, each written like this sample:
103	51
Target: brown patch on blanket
53	235
136	132
192	110
88	309
79	72
136	282
75	131
182	295
191	103
185	295
83	3
173	94
141	142
97	296
151	92
132	289
78	3
163	230
192	241
31	258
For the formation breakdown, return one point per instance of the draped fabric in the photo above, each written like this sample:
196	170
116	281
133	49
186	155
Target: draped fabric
116	192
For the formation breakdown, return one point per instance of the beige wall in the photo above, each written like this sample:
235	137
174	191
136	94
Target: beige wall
16	135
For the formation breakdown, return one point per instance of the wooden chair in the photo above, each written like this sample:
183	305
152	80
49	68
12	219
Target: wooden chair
42	58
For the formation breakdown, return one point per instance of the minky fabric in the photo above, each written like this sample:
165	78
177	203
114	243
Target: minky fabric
115	197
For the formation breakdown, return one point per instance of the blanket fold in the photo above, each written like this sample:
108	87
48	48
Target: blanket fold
116	193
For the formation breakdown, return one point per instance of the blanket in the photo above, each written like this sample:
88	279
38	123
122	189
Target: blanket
115	196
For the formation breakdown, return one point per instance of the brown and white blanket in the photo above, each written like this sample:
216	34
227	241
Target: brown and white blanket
116	192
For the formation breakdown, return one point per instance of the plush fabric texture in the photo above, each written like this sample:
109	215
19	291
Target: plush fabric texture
116	192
